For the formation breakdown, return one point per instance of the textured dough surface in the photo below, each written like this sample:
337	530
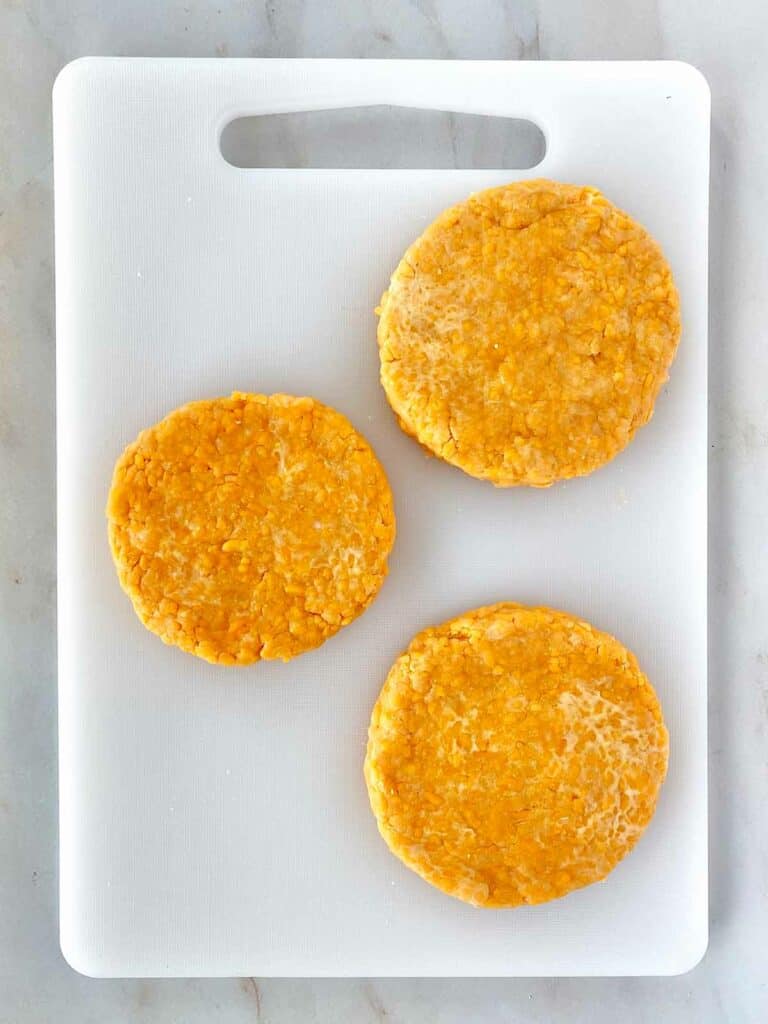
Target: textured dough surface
250	527
525	335
514	754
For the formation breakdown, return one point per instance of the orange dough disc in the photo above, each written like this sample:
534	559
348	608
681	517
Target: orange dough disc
514	754
250	527
525	335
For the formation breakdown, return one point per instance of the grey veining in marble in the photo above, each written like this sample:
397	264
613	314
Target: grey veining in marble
728	43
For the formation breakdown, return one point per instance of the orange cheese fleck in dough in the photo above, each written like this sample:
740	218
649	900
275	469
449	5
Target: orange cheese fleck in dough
514	754
250	527
525	335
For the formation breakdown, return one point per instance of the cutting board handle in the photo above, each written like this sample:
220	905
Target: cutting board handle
587	101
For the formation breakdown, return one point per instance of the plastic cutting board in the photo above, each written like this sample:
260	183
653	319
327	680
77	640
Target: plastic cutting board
215	821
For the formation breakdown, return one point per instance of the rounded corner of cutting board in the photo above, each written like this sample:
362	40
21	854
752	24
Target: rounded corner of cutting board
82	960
688	957
73	76
695	82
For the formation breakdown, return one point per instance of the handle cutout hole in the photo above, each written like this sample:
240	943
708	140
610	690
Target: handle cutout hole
382	137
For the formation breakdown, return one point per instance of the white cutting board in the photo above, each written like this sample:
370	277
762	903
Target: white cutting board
214	821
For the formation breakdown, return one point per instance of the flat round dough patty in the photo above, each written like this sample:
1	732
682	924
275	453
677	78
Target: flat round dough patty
525	335
514	754
250	527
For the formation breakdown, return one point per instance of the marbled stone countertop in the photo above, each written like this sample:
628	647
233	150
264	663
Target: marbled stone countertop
727	41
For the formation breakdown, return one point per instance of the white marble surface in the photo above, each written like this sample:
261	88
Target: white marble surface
728	42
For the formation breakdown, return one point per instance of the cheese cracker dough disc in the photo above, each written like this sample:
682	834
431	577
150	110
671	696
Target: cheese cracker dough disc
525	335
514	754
250	527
